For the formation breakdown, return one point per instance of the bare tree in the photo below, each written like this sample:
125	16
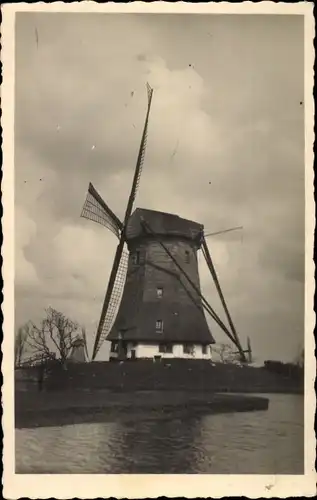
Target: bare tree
300	358
55	333
226	354
20	343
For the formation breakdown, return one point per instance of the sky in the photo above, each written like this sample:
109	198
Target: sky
225	148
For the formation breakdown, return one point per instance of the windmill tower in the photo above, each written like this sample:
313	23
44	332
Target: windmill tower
160	315
153	304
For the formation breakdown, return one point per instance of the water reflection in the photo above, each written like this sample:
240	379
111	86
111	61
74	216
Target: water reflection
269	442
163	447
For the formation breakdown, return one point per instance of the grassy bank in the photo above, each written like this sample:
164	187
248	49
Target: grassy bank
69	407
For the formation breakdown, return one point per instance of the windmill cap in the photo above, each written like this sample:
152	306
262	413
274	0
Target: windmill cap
163	224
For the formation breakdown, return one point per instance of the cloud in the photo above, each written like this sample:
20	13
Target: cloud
25	271
225	148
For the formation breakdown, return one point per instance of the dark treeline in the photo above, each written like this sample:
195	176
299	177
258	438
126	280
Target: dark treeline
290	370
187	375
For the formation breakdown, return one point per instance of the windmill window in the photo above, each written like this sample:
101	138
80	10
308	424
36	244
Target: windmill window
187	256
159	293
114	346
159	325
136	258
204	349
166	348
188	349
169	348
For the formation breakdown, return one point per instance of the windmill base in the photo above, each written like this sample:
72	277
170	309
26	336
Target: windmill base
143	350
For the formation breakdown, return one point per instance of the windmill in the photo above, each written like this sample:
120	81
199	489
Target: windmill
78	353
153	305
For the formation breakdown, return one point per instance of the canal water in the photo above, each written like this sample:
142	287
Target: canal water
269	442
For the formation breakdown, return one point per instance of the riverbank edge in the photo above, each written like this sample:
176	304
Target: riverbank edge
128	411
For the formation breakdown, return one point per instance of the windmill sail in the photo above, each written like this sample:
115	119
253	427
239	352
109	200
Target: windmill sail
140	160
224	231
119	268
250	357
110	308
97	210
217	284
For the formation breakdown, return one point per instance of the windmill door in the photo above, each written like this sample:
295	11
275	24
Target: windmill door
122	350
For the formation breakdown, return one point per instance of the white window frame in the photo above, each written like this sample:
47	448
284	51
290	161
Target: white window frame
159	326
